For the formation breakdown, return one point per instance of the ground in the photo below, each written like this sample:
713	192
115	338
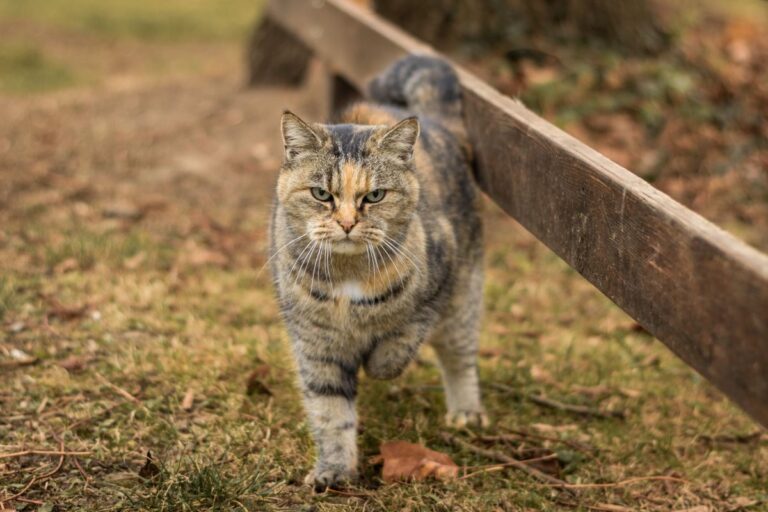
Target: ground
138	330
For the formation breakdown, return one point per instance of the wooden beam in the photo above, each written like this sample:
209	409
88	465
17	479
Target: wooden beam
699	290
273	57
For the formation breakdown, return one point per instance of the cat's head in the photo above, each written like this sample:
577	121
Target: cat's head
350	185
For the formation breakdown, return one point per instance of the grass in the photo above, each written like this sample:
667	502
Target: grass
125	317
55	44
26	68
172	20
158	337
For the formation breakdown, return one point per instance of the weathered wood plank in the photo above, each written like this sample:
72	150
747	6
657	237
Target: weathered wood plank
701	291
273	57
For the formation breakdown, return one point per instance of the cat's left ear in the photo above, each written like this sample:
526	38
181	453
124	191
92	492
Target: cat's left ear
400	140
298	137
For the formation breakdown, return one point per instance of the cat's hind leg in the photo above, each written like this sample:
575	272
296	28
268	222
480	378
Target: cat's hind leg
456	345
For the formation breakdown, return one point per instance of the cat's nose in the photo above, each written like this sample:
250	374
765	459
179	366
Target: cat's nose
347	224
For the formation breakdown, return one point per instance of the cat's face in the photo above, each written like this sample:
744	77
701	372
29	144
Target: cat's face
348	185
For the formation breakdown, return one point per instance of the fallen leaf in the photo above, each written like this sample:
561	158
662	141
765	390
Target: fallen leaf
740	503
19	358
409	461
135	261
610	507
58	310
490	352
149	469
16	327
67	265
189	400
546	428
74	363
254	385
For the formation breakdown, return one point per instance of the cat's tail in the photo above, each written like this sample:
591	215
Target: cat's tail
422	84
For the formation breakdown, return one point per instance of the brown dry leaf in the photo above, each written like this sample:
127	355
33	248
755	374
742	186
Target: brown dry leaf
490	352
134	261
610	507
74	363
698	508
547	429
189	400
62	312
254	385
740	503
67	265
541	375
149	469
409	461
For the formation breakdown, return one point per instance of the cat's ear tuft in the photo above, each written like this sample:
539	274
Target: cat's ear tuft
400	140
298	137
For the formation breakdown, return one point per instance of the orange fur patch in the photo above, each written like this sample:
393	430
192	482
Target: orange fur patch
365	113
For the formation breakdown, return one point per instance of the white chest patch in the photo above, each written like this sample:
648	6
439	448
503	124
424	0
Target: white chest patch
353	290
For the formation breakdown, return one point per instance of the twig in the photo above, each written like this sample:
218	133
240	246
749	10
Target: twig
498	467
85	476
120	391
582	447
350	494
581	410
550	456
40	452
513	463
36	479
622	483
30	500
576	409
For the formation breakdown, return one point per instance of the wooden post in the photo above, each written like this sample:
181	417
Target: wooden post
275	57
342	94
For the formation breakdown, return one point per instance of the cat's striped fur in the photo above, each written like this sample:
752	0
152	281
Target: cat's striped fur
365	283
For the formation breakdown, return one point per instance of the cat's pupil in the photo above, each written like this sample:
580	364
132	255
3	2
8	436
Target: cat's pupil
375	196
320	194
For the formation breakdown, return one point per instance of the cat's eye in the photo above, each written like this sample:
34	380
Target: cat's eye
321	194
375	196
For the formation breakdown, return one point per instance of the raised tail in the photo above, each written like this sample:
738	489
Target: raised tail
420	83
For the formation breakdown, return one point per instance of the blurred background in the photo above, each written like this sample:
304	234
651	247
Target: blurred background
137	322
674	91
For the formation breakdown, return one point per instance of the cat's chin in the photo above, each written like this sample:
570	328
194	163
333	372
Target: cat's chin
348	247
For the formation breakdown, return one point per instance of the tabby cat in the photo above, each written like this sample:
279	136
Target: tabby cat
376	243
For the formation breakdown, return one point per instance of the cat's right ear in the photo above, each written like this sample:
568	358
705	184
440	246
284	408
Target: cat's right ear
298	137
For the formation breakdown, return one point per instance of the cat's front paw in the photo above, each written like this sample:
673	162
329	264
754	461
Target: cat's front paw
461	419
383	369
387	361
334	477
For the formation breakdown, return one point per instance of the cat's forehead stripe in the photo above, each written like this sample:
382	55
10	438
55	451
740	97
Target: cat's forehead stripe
349	139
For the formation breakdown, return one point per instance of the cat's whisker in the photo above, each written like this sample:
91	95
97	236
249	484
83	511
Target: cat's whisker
320	248
328	266
281	249
394	263
304	261
400	250
375	264
299	257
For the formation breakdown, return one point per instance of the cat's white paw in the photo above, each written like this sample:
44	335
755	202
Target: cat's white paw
333	477
461	419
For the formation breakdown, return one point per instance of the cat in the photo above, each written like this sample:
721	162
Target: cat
376	239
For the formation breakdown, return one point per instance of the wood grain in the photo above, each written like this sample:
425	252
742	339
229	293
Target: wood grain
701	291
